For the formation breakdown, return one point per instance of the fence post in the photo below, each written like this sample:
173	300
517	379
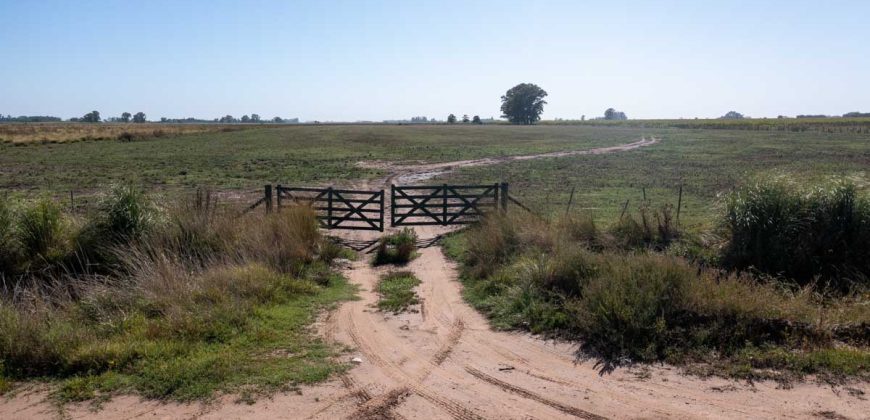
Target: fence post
268	197
72	201
679	203
278	197
503	196
382	212
444	206
329	207
570	200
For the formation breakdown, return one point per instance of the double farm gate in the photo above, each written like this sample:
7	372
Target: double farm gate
439	205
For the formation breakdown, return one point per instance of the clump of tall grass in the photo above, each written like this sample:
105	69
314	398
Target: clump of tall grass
396	248
802	234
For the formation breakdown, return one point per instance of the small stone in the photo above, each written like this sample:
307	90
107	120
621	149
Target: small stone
356	360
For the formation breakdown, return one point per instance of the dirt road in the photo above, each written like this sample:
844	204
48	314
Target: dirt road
443	361
405	174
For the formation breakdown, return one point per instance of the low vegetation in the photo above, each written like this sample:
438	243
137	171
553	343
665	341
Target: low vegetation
396	248
396	290
57	132
628	294
803	234
178	300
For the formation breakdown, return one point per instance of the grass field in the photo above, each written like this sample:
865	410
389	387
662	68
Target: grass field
253	157
46	133
706	162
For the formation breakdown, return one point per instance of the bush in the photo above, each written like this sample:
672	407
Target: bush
123	215
8	254
802	234
397	248
41	234
652	229
643	305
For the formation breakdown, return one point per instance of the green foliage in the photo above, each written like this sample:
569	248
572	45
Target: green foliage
575	281
125	214
800	233
396	248
204	302
523	103
41	233
8	249
396	290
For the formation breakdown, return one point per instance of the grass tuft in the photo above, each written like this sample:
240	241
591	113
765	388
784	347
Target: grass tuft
396	291
397	248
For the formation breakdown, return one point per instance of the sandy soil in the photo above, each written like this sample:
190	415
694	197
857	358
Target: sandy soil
441	360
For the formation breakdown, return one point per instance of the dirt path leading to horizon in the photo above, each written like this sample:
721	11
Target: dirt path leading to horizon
442	360
406	173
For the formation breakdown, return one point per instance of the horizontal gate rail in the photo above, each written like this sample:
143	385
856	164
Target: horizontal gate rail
443	205
339	208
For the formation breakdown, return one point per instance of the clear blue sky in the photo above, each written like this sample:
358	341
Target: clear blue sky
367	60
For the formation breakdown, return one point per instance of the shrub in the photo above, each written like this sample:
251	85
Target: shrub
41	234
803	234
8	257
123	215
396	248
652	229
625	311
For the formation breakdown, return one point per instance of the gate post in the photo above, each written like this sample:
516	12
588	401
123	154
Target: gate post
329	208
382	212
503	196
268	197
444	206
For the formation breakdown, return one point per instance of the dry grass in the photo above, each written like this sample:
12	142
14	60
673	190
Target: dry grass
70	132
625	299
186	307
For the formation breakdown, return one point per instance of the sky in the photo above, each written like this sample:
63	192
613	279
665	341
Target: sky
377	60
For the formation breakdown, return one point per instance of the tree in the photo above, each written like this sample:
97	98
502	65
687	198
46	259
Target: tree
465	119
277	120
91	117
125	117
255	118
523	103
227	119
139	117
476	120
246	119
451	119
612	114
732	115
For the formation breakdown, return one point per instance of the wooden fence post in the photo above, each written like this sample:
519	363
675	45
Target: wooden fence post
268	197
503	196
679	203
570	200
329	207
624	208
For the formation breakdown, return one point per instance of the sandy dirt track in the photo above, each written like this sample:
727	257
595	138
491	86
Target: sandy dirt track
443	361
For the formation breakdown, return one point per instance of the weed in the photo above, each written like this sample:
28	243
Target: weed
396	291
397	248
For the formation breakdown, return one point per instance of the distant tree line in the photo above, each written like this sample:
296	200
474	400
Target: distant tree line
451	119
29	118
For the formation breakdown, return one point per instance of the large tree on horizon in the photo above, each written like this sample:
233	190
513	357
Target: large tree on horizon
523	103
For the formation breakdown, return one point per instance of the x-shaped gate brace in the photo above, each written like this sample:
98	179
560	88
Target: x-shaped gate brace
441	205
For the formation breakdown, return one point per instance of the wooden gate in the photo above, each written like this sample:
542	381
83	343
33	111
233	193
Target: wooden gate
338	209
444	204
